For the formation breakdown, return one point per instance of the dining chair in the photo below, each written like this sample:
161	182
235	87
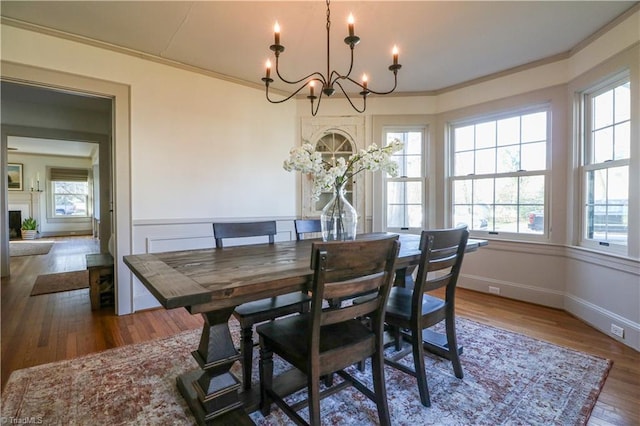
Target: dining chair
326	340
250	313
306	226
410	310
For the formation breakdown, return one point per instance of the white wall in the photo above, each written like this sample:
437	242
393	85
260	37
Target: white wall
204	149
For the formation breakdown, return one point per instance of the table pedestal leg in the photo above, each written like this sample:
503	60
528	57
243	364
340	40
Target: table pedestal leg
212	391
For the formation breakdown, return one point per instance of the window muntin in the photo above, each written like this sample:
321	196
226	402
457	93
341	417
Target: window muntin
333	146
500	173
606	145
405	194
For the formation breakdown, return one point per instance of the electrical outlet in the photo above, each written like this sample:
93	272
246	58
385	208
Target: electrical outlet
494	290
616	330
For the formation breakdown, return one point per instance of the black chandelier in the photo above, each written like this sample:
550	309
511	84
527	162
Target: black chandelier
332	78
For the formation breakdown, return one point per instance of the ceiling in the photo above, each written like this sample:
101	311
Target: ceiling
13	92
40	146
442	44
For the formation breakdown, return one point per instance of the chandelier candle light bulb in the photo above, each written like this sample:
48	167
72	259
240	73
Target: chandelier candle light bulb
350	21
276	33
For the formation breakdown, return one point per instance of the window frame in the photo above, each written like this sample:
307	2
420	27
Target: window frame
546	173
51	199
423	179
588	165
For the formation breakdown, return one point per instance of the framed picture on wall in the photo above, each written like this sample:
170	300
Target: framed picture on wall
14	171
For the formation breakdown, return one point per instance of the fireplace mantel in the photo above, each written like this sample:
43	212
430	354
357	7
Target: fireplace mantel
28	203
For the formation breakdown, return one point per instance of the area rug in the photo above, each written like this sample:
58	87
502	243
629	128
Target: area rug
510	379
29	248
61	281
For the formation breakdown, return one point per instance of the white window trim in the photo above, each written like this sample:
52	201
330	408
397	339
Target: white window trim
424	178
584	145
547	173
50	201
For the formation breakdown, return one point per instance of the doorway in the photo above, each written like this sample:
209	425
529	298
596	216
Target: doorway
114	147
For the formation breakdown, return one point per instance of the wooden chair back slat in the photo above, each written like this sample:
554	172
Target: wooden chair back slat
223	230
438	264
359	285
332	316
306	226
360	259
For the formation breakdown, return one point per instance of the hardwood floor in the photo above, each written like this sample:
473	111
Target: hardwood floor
41	329
51	327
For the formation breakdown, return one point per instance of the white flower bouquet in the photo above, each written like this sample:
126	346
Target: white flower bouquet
327	176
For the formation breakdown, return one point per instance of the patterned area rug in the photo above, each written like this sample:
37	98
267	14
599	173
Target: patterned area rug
509	379
61	281
29	248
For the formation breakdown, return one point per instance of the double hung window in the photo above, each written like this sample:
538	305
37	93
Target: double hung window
499	174
405	194
70	192
605	169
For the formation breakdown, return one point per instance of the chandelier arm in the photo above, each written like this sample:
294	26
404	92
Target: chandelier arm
351	64
339	76
287	98
314	112
364	98
395	84
346	77
319	75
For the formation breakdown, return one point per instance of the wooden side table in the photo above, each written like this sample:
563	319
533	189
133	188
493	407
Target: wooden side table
100	267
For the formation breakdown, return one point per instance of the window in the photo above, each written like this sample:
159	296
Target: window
405	194
605	172
70	192
333	146
499	173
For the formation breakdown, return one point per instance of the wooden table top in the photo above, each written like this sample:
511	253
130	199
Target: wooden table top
209	279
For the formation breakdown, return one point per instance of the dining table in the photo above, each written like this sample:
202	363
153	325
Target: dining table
212	282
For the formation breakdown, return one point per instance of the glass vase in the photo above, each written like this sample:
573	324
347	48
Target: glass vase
338	219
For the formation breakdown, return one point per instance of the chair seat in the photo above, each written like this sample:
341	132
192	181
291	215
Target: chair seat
399	304
289	338
270	306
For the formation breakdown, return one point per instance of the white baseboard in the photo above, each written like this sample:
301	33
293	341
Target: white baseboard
599	318
524	292
602	319
78	233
